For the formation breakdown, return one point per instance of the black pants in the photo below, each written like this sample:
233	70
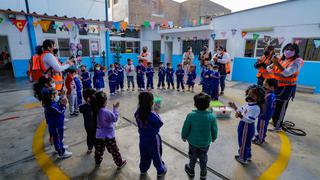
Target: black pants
201	153
112	148
283	95
91	137
260	81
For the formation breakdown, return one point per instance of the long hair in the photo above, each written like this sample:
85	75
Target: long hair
145	106
98	101
47	44
46	97
293	46
37	87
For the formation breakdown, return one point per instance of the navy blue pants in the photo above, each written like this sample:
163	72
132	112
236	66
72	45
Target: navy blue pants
151	150
214	91
245	135
79	97
120	83
140	82
112	86
57	134
180	82
170	82
283	96
161	81
150	82
262	128
222	82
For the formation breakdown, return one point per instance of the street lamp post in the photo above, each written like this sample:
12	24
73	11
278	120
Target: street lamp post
107	38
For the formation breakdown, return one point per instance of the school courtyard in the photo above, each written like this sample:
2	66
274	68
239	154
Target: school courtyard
26	154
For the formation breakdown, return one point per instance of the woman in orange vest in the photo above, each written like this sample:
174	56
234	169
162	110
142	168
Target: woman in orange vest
51	66
222	59
286	71
145	56
262	64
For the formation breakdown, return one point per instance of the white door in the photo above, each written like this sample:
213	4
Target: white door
168	53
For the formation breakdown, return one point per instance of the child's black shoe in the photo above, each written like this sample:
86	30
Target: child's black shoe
188	170
203	175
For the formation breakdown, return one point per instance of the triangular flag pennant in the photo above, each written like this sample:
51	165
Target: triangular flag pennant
45	25
20	24
116	25
243	34
281	40
267	39
170	24
131	28
194	22
1	19
55	26
152	24
146	24
124	26
297	41
68	24
213	36
233	31
137	28
255	36
35	24
316	43
165	24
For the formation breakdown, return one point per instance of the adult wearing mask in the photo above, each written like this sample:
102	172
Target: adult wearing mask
50	64
205	55
262	64
187	59
222	59
286	70
145	56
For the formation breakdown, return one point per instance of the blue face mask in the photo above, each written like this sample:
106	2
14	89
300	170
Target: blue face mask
57	98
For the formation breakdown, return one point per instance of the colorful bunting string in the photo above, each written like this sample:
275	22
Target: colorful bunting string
316	43
124	26
243	34
146	24
1	19
170	24
281	40
20	24
44	25
255	36
152	24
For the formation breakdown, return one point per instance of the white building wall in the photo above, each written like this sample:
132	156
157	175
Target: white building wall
19	46
296	18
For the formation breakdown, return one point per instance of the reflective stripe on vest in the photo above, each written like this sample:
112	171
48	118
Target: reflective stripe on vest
56	76
286	81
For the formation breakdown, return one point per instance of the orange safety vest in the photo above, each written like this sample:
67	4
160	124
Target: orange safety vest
262	71
227	65
145	62
34	68
290	80
56	76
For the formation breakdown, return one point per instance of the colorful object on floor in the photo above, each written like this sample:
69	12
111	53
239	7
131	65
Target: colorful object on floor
220	110
216	104
157	103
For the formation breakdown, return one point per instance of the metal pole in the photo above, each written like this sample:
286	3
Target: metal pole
107	37
31	32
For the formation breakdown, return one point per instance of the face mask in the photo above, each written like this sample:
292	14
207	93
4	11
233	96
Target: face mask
144	50
249	99
288	54
76	75
219	51
83	70
205	49
97	68
266	53
112	69
57	98
190	50
53	85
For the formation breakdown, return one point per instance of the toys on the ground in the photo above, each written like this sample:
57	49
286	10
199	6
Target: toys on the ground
220	110
157	104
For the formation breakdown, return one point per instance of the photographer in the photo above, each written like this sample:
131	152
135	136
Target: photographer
50	65
262	64
286	71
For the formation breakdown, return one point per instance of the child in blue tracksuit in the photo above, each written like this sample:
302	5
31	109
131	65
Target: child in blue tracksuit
191	77
180	76
120	77
215	79
140	70
78	88
112	77
203	71
149	74
268	108
54	109
169	75
161	75
85	77
207	79
149	124
248	114
98	81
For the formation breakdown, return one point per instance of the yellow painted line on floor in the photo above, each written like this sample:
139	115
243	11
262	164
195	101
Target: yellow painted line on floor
281	163
48	167
31	105
276	169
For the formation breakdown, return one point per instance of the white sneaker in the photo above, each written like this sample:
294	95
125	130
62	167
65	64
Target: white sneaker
65	146
66	119
65	127
66	154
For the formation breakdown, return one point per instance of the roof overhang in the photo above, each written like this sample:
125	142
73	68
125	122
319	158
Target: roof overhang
187	29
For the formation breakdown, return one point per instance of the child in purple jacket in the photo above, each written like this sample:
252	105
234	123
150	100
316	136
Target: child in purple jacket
105	132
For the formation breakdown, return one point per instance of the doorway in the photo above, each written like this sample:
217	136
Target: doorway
156	53
168	52
5	59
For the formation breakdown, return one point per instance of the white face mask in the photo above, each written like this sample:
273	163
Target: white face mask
53	85
76	75
57	98
97	68
219	52
112	69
